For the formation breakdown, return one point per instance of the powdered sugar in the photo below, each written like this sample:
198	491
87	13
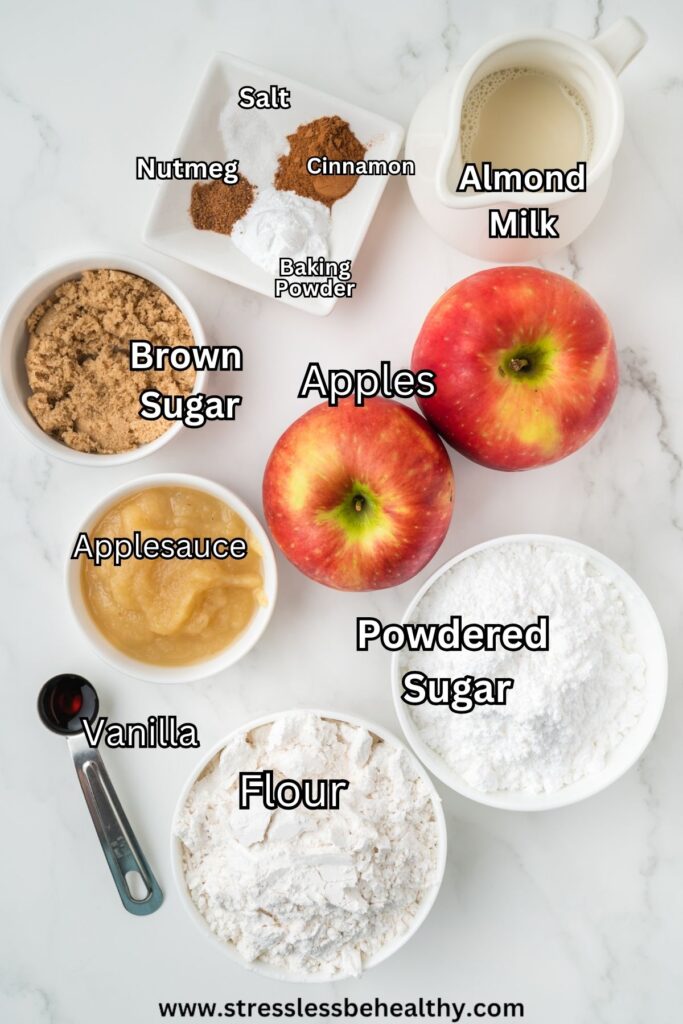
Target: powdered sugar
570	706
315	891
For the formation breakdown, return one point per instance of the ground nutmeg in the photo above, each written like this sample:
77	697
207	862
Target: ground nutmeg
216	206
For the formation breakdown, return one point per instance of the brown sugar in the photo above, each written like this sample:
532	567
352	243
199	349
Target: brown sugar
217	206
83	390
330	137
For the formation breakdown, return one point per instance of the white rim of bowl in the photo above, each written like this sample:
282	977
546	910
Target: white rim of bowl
173	673
511	800
391	947
69	269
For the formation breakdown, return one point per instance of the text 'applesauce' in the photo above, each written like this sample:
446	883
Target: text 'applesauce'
173	611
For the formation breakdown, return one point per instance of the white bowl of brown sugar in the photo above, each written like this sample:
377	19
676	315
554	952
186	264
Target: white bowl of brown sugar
65	373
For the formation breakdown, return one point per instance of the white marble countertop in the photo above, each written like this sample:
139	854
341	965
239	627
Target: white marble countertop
577	912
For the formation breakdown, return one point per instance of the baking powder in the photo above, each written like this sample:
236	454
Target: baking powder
282	224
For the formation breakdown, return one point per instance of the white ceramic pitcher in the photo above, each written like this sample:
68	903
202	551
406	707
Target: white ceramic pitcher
591	67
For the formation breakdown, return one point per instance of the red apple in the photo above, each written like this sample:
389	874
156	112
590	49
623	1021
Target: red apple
525	363
359	497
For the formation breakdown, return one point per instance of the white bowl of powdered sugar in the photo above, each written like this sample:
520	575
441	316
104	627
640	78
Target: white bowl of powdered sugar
323	889
546	676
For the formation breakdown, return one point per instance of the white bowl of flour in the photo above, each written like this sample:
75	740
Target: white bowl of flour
578	714
309	894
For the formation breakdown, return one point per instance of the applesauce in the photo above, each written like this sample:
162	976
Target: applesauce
173	611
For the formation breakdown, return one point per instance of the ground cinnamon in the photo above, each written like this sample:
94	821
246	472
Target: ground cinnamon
327	136
216	206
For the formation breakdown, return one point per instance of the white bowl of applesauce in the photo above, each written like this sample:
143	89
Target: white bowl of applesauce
171	578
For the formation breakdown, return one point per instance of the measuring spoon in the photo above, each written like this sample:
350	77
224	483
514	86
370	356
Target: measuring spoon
63	702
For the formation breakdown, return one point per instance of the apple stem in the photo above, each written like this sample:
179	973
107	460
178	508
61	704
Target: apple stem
517	364
359	502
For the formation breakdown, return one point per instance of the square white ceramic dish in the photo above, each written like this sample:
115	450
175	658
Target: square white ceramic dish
169	228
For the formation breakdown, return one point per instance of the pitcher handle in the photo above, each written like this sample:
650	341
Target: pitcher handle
620	43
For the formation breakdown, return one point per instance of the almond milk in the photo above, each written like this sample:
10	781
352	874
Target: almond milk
522	118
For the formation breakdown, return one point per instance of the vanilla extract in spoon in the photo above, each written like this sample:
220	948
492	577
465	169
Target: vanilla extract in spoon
64	703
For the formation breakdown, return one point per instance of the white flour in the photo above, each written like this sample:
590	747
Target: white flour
311	891
282	224
570	706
